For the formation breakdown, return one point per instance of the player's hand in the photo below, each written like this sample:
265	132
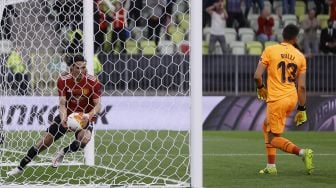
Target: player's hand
86	119
262	93
65	125
301	116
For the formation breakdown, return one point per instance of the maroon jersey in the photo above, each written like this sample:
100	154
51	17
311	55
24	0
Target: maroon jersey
79	96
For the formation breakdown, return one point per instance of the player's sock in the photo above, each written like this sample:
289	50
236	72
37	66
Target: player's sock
270	149
270	165
285	145
301	152
73	147
32	152
271	153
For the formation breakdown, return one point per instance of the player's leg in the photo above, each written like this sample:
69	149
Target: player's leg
271	153
277	115
286	145
46	141
53	133
82	138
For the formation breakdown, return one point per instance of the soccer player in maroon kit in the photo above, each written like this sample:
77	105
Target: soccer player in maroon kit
78	92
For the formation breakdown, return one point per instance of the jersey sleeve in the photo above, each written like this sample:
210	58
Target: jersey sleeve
265	58
61	87
96	90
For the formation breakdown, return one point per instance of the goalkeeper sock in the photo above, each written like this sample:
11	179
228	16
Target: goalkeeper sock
271	153
73	147
32	152
285	145
270	165
270	149
301	153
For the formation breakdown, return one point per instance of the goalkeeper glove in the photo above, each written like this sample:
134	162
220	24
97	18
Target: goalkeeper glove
262	93
301	116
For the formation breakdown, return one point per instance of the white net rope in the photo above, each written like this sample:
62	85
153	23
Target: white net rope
142	132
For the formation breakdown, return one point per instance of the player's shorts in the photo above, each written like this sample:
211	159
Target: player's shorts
57	130
277	113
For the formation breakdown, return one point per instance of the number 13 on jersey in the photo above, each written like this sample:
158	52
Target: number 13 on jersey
288	71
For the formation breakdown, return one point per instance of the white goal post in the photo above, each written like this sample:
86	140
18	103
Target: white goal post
88	54
196	95
149	131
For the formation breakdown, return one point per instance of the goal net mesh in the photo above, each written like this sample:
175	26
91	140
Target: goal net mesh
142	135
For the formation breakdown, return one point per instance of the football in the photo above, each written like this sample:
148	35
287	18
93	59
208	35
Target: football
75	121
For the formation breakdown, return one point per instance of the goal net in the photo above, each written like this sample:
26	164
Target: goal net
139	51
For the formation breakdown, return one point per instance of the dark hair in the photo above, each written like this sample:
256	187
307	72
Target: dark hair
70	60
290	32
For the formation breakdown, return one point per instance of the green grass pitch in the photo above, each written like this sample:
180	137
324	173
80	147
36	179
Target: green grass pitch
122	157
231	159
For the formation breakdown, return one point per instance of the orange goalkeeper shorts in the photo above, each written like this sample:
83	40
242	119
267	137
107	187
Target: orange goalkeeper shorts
277	113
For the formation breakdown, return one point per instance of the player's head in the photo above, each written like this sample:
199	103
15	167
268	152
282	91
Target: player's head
290	33
77	65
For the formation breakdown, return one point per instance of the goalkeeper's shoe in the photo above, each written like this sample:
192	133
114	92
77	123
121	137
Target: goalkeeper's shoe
269	170
308	160
15	171
57	160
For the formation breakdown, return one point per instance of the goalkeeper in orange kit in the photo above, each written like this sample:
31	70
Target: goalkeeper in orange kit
285	67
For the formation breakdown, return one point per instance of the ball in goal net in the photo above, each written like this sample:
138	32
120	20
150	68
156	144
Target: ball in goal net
138	51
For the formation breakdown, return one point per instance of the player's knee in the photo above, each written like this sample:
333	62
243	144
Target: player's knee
85	137
83	143
85	140
45	142
271	136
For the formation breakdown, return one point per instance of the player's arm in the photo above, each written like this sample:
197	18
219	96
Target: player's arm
96	108
301	115
261	89
302	89
258	74
62	101
96	102
63	110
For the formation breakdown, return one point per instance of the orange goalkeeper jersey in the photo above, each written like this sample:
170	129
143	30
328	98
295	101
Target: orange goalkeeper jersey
284	63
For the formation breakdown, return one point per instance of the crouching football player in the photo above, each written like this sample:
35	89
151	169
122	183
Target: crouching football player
78	92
